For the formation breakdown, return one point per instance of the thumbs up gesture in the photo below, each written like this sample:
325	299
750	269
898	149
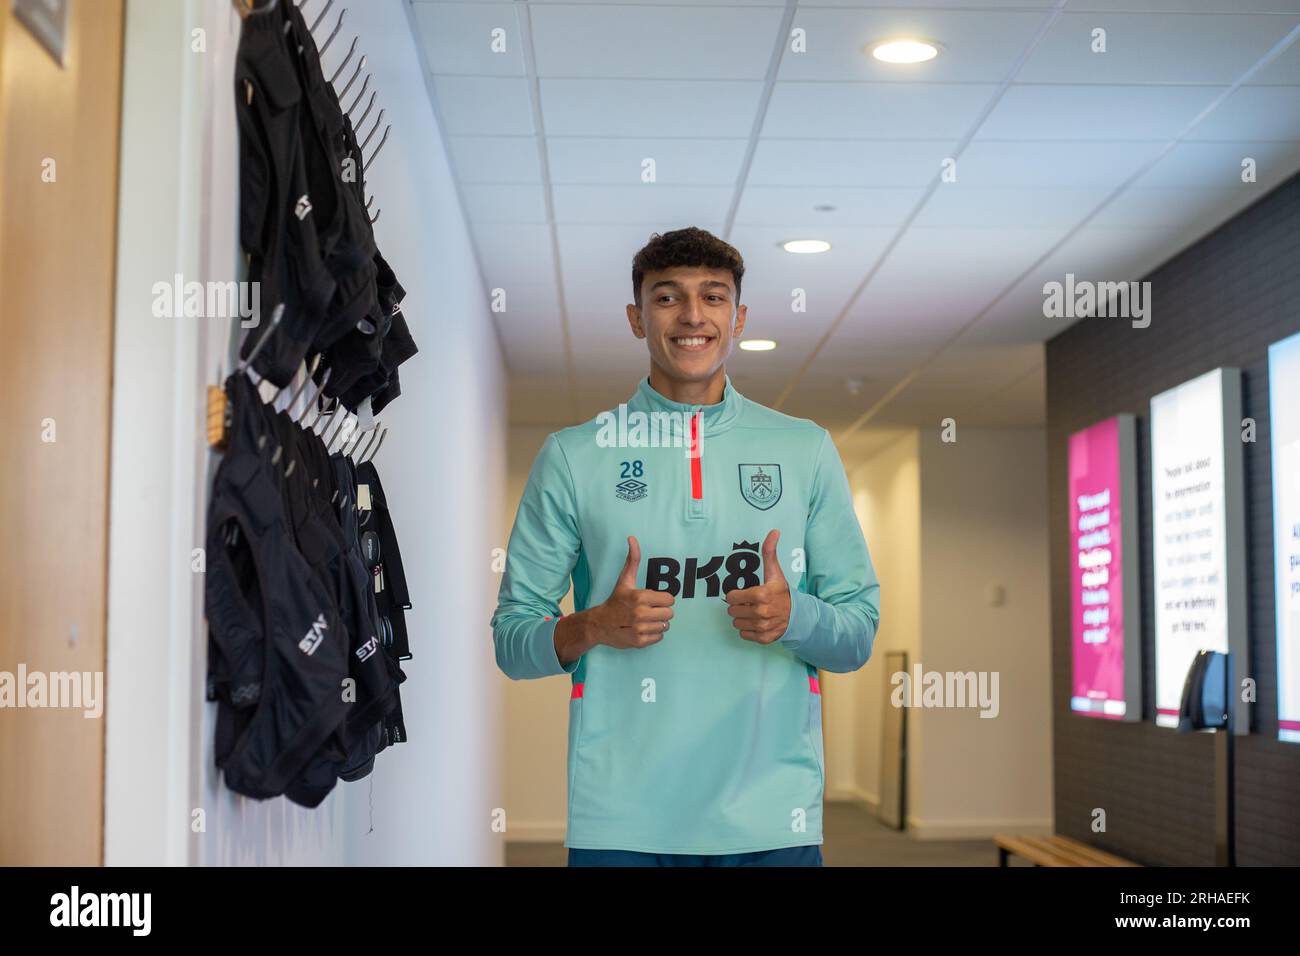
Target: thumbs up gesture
762	613
631	617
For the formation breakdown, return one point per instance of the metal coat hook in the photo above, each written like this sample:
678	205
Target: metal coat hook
377	215
337	27
356	442
364	86
324	10
370	202
303	384
337	422
369	455
381	441
346	60
322	424
266	334
361	65
337	429
315	401
382	141
323	382
375	129
378	432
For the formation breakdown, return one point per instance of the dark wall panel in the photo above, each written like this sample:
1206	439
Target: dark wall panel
1222	301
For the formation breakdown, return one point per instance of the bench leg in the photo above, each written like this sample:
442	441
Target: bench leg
1002	856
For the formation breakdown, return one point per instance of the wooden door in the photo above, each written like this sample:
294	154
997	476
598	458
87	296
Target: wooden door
59	130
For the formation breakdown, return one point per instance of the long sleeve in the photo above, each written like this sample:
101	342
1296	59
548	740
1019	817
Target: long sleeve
542	552
833	624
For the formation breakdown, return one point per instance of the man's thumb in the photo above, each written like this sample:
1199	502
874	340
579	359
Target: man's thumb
627	578
771	567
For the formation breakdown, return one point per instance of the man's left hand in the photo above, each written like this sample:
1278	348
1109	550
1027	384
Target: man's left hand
762	613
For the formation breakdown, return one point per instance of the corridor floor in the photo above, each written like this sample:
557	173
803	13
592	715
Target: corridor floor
853	837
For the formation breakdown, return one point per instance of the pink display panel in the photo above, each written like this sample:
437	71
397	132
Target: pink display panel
1103	584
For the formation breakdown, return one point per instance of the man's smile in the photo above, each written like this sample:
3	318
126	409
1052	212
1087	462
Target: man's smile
692	343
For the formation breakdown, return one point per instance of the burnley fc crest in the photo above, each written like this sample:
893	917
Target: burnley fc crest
760	485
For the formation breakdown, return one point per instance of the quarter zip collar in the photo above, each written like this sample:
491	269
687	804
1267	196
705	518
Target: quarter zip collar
714	419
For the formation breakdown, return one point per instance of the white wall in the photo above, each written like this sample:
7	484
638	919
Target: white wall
177	158
946	523
984	525
887	497
535	735
429	800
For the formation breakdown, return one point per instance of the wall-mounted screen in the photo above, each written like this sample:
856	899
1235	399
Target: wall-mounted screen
1105	612
1198	535
1284	415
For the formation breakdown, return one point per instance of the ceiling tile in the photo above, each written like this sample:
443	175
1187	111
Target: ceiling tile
700	42
484	105
1052	165
644	203
677	162
847	162
717	109
1152	48
1096	112
496	159
961	205
464	38
504	202
875	110
1254	113
513	254
796	207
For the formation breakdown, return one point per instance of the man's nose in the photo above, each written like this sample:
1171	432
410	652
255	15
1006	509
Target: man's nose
691	314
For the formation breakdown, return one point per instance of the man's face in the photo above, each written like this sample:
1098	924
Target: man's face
688	316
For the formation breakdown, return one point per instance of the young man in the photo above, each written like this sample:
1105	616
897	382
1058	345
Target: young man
712	576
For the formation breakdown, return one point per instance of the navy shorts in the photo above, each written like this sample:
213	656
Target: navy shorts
786	856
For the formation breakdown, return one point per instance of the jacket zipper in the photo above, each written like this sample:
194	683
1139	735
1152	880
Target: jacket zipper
697	476
695	501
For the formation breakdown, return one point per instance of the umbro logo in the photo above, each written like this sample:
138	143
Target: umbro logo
311	640
631	490
302	206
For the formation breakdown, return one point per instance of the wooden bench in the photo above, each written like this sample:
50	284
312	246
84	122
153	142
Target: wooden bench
1055	851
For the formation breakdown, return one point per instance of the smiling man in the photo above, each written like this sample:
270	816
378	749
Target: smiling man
710	583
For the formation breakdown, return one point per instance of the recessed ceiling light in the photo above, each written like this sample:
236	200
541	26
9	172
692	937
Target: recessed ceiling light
757	345
806	246
905	50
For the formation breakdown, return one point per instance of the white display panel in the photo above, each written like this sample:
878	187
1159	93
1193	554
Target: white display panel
1284	416
1198	546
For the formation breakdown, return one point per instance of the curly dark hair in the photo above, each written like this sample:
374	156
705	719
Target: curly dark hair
685	247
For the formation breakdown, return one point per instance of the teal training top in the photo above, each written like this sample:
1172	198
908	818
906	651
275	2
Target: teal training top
703	742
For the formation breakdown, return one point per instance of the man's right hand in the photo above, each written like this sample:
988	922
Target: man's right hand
630	617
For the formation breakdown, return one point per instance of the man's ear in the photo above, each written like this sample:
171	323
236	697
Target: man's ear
634	320
739	325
